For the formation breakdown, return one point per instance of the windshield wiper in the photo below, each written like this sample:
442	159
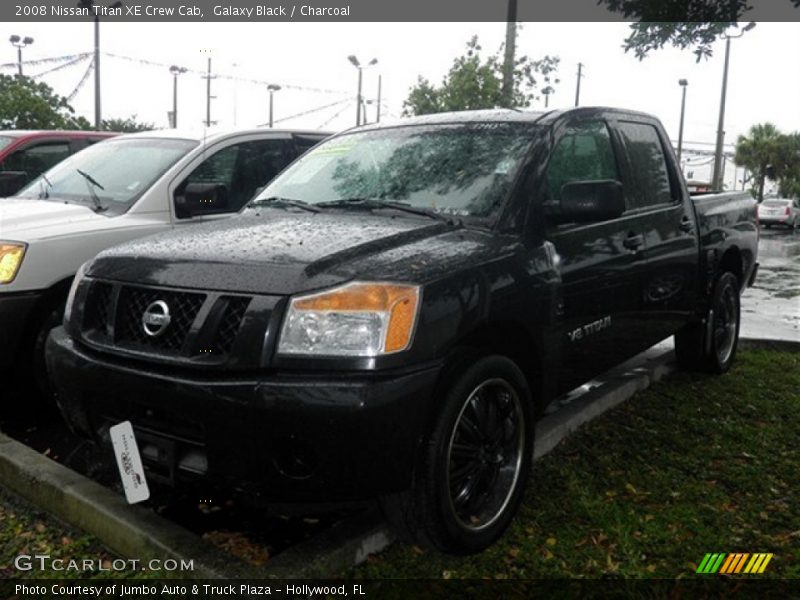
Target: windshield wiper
372	203
92	183
44	193
284	202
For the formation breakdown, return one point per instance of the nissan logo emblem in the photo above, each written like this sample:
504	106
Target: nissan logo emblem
156	318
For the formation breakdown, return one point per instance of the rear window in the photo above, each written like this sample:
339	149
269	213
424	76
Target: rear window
648	164
5	140
776	203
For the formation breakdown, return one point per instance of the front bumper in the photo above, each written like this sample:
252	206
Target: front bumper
15	310
280	437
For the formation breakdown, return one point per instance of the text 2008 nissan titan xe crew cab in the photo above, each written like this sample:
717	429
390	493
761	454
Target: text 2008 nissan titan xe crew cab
389	316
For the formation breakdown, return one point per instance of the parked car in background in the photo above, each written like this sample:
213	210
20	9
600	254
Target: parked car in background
24	155
779	211
390	315
123	188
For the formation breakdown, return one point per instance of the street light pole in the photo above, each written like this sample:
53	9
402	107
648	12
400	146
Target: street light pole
683	83
354	61
718	166
175	70
578	87
272	87
20	43
358	108
378	114
98	114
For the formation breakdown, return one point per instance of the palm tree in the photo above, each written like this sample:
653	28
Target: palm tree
759	151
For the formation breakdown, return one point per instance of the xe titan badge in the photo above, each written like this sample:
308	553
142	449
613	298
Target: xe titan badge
156	318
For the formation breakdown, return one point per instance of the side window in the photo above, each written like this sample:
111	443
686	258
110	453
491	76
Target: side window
649	174
239	170
34	160
584	153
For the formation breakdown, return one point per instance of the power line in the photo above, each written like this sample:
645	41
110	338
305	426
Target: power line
346	106
227	77
44	61
75	61
313	110
82	81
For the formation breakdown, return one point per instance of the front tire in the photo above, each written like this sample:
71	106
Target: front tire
695	350
473	467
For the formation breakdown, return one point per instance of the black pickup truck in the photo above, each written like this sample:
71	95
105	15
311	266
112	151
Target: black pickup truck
392	313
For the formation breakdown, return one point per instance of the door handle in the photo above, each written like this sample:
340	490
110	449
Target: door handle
686	224
633	242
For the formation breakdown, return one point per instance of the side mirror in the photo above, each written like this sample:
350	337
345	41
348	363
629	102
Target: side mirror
589	201
201	199
11	182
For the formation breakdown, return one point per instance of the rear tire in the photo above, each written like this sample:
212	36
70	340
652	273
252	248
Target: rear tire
694	351
472	469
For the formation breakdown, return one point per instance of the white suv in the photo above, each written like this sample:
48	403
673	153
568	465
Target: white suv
123	188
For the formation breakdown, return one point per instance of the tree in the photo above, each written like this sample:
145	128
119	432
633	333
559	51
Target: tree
760	151
681	23
475	81
129	125
787	169
27	104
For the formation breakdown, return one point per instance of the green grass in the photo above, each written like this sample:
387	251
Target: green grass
694	464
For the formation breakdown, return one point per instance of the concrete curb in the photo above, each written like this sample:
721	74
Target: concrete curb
131	531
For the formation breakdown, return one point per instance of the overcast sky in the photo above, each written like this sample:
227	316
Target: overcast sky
764	81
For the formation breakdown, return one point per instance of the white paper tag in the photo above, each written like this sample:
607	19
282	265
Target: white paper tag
129	462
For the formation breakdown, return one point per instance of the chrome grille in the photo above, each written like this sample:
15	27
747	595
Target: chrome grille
134	301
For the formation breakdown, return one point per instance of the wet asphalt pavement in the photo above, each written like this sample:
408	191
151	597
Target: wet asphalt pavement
770	309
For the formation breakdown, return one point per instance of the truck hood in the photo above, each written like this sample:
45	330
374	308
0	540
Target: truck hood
287	253
22	219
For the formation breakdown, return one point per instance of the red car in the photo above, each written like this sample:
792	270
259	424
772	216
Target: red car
24	155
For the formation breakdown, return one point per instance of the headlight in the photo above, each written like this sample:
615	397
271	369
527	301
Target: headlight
358	319
73	289
11	254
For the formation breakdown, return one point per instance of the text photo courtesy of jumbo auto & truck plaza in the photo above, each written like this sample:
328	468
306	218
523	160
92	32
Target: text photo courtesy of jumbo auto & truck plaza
399	300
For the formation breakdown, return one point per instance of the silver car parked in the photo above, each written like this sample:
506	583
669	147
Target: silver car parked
779	211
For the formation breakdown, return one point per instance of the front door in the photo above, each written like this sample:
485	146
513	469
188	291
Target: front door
599	262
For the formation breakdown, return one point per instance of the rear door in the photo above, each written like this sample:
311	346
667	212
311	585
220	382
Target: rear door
666	218
599	262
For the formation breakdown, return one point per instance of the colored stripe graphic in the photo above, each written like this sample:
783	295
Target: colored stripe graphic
733	563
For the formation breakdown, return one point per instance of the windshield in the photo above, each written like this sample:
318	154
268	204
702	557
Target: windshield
110	175
463	170
5	140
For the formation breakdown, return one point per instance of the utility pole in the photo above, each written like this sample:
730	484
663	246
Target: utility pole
98	113
510	50
683	83
378	114
208	77
718	158
578	87
716	182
